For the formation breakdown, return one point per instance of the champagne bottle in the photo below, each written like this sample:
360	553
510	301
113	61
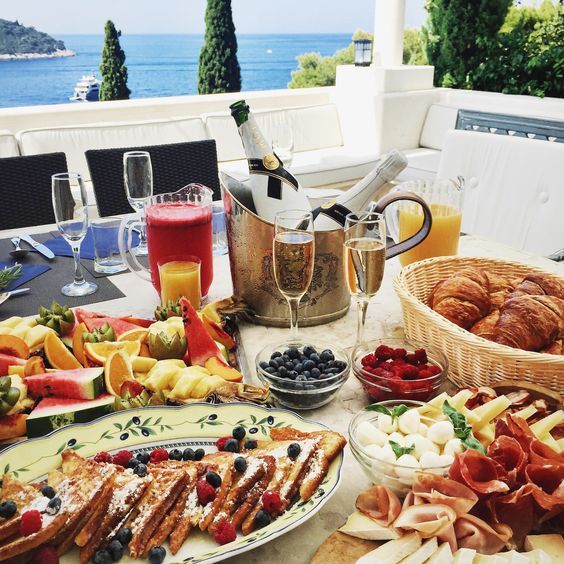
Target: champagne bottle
273	187
372	187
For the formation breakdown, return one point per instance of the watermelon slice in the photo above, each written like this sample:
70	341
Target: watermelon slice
81	315
118	325
83	383
9	360
201	346
52	413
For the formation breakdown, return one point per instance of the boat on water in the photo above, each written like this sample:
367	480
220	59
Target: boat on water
87	89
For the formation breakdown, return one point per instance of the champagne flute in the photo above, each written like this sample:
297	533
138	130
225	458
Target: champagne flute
70	206
293	254
365	258
138	180
283	143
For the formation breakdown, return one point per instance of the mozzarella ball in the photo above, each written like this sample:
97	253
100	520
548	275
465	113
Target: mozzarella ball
441	432
421	444
386	424
446	459
430	460
409	421
368	434
406	466
396	437
373	450
453	446
387	454
422	430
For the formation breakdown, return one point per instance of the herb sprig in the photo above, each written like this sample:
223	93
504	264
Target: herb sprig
8	274
399	450
462	430
394	413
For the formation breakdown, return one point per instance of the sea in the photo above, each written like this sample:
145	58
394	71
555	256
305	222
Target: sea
158	65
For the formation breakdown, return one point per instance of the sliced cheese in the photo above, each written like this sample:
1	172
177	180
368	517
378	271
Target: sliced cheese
488	411
553	545
435	404
362	527
393	551
543	427
425	551
514	557
526	412
560	443
539	556
486	435
551	442
463	556
443	555
488	559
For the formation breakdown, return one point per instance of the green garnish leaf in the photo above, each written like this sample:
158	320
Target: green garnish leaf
398	410
462	430
472	442
378	409
8	274
399	450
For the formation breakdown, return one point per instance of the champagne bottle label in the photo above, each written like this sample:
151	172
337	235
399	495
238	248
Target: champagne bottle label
333	210
270	166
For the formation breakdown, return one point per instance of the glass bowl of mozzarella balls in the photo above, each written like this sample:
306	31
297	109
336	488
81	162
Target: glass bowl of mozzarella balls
392	440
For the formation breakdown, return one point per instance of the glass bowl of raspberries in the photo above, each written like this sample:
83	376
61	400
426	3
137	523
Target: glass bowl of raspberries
304	375
397	369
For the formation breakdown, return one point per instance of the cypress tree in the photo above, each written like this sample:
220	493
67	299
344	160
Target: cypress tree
113	69
219	69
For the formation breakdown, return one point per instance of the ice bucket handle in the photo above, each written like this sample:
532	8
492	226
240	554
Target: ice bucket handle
398	248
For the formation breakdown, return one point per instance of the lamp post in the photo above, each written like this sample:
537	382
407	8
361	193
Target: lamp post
362	52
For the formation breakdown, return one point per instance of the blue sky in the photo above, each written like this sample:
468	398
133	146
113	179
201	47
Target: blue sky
187	16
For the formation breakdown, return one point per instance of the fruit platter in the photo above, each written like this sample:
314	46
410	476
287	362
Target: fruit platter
72	366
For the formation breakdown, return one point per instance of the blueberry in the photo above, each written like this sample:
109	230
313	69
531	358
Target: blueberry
8	509
239	433
295	362
309	365
232	445
199	454
314	358
263	365
309	350
286	358
115	548
250	444
302	357
327	355
136	420
140	470
271	370
315	372
322	366
122	437
213	479
143	457
133	462
299	368
292	374
301	378
341	365
275	354
293	352
54	506
240	464
289	365
175	454
273	364
188	454
283	372
48	491
307	374
124	535
294	450
262	519
102	557
156	555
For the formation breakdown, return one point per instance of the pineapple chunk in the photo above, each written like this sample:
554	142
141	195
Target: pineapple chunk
206	385
186	384
142	363
11	322
16	370
35	336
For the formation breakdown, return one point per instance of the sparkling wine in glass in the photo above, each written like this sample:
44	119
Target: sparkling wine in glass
70	206
293	256
365	259
138	180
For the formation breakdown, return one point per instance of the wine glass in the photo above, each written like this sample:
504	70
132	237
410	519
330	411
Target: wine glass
70	206
365	258
283	143
293	254
138	180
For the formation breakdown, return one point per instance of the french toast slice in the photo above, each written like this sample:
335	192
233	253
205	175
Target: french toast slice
23	495
127	491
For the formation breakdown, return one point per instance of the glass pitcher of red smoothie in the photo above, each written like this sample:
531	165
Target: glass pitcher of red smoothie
177	223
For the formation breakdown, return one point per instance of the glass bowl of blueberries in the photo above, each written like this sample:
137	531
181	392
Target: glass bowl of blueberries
303	376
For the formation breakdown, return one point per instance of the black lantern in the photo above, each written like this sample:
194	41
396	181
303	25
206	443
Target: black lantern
362	52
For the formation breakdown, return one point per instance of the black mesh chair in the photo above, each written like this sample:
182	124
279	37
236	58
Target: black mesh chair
25	189
174	166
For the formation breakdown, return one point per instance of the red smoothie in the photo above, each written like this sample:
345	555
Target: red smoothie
177	229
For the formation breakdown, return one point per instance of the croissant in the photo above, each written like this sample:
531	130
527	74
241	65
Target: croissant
462	298
485	327
538	284
530	322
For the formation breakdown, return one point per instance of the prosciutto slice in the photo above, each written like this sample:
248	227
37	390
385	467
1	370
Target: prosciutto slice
412	499
430	520
380	504
473	532
508	452
546	485
517	428
541	453
480	473
444	491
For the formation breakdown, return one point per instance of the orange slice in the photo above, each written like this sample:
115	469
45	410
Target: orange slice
99	352
134	335
58	355
116	371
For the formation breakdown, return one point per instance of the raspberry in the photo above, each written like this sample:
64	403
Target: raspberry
122	457
224	532
158	455
406	372
383	352
271	502
46	555
368	360
205	491
30	523
103	457
398	353
425	374
220	443
434	369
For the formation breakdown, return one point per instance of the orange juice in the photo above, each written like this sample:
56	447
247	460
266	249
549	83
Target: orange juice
444	235
180	278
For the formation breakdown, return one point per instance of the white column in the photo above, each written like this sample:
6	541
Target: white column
389	18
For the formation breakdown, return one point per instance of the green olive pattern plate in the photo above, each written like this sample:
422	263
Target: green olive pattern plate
197	426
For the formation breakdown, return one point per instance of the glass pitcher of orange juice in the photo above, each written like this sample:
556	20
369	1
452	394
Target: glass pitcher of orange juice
405	218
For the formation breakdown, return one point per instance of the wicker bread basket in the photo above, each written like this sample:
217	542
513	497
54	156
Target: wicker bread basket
472	359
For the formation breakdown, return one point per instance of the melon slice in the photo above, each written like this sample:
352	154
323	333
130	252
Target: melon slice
118	325
52	413
84	384
9	360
